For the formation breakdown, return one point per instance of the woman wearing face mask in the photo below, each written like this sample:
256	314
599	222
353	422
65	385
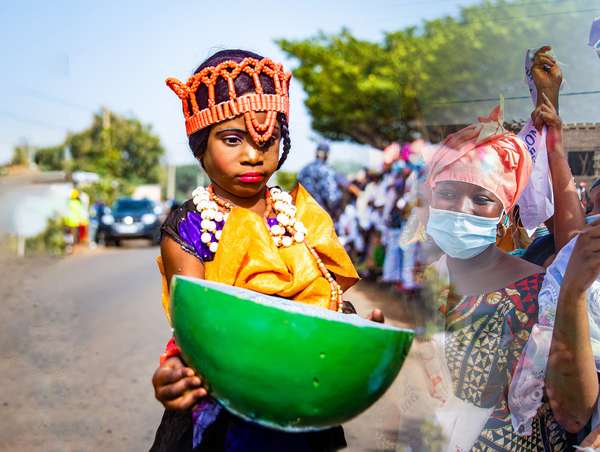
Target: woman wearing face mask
476	178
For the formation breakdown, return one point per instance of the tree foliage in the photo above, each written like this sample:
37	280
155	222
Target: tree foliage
188	177
376	93
21	155
286	179
113	146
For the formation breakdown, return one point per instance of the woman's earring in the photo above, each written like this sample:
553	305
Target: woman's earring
503	226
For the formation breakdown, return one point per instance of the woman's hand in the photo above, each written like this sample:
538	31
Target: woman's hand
592	440
546	114
177	387
584	265
546	73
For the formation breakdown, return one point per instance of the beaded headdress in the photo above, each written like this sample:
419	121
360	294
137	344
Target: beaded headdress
247	104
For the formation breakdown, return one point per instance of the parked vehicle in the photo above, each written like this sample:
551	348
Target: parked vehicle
132	219
101	220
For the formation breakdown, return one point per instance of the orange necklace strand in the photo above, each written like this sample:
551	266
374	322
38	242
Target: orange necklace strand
285	230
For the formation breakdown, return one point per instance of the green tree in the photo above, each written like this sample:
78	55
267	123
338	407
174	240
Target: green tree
376	93
286	179
51	158
188	177
113	146
21	155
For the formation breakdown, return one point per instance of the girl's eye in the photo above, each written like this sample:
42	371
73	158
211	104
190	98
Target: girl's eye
232	140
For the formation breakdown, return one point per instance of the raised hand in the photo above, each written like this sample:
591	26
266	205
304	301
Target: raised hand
546	114
546	73
584	265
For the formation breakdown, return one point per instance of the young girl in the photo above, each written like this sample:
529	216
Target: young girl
241	232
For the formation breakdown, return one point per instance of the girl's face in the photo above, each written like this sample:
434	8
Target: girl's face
466	198
236	163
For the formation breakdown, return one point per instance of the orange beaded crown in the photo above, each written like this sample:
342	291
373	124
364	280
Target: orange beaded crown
247	104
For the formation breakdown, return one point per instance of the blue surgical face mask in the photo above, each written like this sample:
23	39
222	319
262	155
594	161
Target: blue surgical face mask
461	235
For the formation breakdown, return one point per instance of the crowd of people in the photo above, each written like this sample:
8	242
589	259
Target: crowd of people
487	229
372	209
458	216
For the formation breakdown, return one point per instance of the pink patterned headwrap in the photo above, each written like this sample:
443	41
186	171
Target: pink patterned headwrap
487	155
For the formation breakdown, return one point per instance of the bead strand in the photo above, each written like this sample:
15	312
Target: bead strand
336	303
284	227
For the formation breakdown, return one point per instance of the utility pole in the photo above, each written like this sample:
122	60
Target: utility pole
171	173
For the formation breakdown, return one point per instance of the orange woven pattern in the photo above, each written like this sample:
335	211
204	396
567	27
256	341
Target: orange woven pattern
246	105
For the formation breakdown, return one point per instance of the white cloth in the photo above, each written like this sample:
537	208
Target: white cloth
363	205
536	203
348	231
461	421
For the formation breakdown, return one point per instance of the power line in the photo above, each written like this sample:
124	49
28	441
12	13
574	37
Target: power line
495	99
36	122
515	19
522	4
59	101
56	100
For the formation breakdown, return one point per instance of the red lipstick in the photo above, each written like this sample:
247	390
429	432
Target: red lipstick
251	177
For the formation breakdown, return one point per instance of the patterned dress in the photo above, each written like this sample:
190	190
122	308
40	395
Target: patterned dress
485	337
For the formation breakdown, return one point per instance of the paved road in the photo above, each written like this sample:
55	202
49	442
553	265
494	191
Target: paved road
80	339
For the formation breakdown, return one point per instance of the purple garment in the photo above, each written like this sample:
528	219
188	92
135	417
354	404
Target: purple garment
190	232
203	416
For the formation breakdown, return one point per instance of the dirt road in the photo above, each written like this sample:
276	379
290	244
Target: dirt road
80	339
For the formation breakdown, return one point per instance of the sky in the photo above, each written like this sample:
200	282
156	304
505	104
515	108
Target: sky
64	60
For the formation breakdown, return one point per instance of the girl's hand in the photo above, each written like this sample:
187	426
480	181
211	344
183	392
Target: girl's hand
376	316
177	387
584	265
547	75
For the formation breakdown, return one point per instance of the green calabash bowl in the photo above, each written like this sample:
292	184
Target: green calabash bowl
280	363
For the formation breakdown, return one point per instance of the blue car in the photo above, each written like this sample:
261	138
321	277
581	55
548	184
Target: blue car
132	219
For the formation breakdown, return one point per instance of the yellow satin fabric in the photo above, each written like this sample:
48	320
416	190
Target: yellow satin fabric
248	258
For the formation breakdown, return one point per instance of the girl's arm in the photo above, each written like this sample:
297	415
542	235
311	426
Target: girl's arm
176	386
176	261
571	378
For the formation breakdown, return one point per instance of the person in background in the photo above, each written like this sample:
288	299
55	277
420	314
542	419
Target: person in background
393	218
75	219
322	182
583	195
348	228
595	198
96	214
